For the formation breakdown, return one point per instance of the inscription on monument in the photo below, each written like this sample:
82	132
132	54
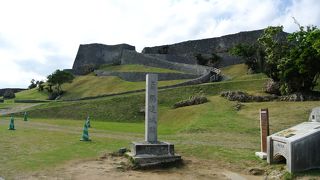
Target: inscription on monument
280	148
151	108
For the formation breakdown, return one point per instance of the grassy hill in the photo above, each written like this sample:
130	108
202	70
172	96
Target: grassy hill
240	72
91	85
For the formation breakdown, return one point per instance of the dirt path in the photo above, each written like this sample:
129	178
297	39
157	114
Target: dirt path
110	167
16	108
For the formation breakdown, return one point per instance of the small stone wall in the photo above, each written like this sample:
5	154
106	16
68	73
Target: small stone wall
141	76
15	90
176	58
30	101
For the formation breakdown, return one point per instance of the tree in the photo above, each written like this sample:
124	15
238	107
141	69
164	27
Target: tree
58	78
251	54
200	59
40	85
33	84
295	62
207	60
9	94
299	69
214	59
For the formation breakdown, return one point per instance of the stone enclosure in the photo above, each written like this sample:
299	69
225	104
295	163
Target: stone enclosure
298	146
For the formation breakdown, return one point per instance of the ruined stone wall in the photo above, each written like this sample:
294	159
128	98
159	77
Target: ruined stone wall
15	90
218	45
91	56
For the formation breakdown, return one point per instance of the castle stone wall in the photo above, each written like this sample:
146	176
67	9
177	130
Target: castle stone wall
219	45
91	56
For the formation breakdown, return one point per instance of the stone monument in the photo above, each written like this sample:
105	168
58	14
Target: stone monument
264	132
152	152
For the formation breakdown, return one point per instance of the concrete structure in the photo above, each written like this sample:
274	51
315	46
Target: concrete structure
299	146
315	115
264	132
151	151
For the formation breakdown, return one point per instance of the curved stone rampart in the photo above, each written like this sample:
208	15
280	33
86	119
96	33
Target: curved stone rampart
141	76
132	57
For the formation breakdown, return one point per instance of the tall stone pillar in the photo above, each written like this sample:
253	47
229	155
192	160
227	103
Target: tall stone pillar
152	152
151	115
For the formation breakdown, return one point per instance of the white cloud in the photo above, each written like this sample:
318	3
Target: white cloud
39	36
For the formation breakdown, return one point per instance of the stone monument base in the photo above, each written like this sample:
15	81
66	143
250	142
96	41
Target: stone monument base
145	154
262	155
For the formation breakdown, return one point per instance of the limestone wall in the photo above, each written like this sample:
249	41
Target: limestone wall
218	45
91	56
15	90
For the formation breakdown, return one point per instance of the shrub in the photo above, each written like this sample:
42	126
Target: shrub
272	87
193	100
245	97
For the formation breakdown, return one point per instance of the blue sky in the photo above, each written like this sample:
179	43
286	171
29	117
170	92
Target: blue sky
39	36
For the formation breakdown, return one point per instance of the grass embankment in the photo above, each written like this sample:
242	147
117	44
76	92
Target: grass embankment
90	85
240	72
126	108
33	94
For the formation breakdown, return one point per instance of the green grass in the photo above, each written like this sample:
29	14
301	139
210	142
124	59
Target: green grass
30	148
126	108
239	72
87	86
90	85
33	94
234	71
213	130
136	68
